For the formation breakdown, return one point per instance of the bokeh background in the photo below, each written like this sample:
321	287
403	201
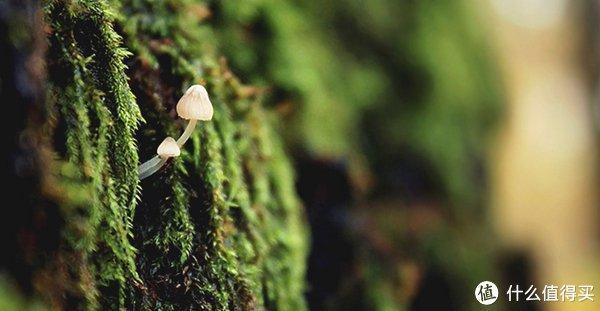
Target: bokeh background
437	143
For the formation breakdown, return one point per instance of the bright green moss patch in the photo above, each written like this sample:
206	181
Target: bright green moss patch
219	228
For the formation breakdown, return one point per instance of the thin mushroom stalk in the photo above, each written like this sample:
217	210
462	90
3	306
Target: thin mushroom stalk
148	164
194	105
189	129
152	169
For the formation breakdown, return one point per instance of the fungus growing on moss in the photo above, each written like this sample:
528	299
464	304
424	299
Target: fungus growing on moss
167	149
194	105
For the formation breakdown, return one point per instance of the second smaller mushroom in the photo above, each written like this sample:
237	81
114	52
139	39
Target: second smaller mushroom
167	149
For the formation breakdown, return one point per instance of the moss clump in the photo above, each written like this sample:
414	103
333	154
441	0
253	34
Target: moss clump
219	228
95	117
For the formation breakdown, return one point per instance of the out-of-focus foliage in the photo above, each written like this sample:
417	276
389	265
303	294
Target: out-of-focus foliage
374	78
292	48
12	300
407	85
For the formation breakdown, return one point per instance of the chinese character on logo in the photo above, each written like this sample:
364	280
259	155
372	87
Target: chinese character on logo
486	292
516	292
567	293
550	293
531	294
585	292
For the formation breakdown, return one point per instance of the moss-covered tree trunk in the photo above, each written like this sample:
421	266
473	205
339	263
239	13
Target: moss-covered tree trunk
90	88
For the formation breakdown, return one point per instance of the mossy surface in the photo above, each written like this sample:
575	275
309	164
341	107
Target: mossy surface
219	228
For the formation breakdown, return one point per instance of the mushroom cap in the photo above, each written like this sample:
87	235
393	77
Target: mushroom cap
168	148
195	104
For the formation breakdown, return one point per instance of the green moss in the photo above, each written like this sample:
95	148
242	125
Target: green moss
96	112
220	227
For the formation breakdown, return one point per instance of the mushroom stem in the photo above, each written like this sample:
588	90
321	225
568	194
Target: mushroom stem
148	164
188	131
153	169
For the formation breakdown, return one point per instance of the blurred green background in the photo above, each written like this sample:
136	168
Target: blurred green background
401	117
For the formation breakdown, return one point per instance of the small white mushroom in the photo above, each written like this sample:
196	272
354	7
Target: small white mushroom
168	148
194	105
